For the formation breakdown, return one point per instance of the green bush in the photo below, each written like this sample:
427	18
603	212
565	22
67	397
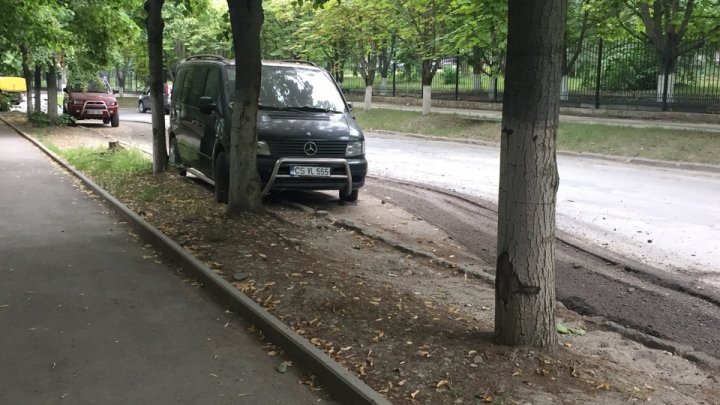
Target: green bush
39	119
5	102
449	75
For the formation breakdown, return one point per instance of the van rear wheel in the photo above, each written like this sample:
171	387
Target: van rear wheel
222	178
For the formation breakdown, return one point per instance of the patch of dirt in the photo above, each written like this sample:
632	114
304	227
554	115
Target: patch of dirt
412	327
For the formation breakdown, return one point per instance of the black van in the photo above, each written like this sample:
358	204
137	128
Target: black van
307	136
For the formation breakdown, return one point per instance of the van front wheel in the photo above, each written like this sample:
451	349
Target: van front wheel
222	178
349	198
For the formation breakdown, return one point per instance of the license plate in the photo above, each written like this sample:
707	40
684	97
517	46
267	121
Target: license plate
95	112
309	171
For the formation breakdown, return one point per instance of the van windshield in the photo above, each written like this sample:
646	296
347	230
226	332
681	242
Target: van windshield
294	88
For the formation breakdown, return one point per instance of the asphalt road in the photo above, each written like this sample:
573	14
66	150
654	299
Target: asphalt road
669	218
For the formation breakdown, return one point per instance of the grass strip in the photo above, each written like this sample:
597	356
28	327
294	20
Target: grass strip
650	143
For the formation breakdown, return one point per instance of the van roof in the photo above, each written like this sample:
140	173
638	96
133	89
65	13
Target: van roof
220	59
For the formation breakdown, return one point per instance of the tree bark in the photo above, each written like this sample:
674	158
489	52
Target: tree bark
155	27
27	74
38	85
525	274
245	193
429	68
52	103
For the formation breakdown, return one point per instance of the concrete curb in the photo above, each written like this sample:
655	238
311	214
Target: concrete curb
667	164
340	382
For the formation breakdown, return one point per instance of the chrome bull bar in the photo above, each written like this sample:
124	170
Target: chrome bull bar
101	104
314	161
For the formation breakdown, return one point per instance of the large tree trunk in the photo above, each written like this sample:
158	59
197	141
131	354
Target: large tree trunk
27	74
429	67
246	19
525	274
37	88
155	28
52	103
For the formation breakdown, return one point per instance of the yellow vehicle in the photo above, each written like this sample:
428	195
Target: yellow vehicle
14	87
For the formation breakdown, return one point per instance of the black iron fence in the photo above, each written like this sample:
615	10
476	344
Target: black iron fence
624	75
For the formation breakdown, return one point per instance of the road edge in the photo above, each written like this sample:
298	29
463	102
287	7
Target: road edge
338	381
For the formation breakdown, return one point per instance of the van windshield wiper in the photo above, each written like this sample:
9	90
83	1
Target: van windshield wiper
310	109
304	108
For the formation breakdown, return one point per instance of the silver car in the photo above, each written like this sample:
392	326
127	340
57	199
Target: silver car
144	103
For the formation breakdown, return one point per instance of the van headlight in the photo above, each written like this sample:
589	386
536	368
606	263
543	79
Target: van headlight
356	148
263	148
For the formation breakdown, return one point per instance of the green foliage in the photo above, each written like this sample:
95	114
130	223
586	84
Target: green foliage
626	67
5	102
39	119
449	74
65	119
112	168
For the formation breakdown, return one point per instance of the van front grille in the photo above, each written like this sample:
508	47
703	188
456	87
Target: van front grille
296	148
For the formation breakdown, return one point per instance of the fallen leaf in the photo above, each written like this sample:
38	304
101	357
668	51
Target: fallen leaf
443	383
282	367
562	329
414	394
604	386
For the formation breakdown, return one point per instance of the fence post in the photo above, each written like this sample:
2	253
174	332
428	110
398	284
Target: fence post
394	71
598	73
457	78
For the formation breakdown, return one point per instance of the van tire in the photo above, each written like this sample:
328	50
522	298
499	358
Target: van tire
222	178
349	198
174	157
141	107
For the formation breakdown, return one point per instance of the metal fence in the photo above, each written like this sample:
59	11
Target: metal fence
621	75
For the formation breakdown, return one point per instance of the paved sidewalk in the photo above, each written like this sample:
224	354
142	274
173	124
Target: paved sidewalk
89	315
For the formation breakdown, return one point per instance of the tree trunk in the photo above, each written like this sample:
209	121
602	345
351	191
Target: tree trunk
27	74
155	26
368	97
564	89
383	86
38	85
525	273
426	99
52	103
429	67
477	82
246	19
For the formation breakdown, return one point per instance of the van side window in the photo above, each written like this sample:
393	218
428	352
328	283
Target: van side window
194	86
212	85
180	81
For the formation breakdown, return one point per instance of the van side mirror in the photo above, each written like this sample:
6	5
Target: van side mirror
207	105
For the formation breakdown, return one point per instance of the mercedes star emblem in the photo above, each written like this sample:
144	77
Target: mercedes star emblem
310	148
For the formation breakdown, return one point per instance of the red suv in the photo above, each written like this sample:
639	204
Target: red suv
92	101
